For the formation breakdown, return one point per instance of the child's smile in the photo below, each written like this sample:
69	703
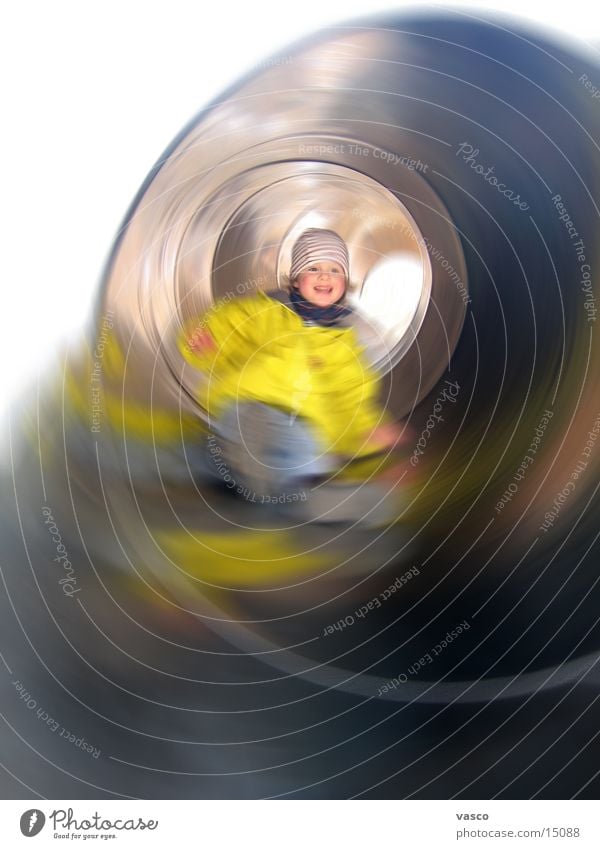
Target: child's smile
322	283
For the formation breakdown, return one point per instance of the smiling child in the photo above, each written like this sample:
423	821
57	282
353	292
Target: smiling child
289	387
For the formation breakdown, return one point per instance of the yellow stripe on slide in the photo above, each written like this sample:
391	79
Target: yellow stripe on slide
247	558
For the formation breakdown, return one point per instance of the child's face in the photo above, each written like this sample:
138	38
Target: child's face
322	283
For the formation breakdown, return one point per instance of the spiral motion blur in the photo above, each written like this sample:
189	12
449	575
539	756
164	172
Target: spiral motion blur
438	636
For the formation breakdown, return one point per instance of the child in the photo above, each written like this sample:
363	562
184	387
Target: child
288	387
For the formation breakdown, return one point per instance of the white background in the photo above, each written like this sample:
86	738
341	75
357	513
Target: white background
335	824
92	94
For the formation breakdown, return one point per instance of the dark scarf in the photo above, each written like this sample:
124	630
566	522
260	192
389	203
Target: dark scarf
324	316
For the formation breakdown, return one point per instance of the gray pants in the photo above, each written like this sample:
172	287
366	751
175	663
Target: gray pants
267	454
263	449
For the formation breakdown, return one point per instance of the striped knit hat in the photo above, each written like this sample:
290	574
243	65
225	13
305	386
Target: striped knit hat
315	245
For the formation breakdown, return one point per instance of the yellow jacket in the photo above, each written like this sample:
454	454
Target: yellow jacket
266	353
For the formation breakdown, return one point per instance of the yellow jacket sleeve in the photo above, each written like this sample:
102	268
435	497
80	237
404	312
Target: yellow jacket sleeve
232	326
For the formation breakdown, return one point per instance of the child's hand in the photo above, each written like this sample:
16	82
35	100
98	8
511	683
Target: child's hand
201	342
386	437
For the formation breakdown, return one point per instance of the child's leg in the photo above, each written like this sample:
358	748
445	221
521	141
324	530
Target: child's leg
268	450
270	453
